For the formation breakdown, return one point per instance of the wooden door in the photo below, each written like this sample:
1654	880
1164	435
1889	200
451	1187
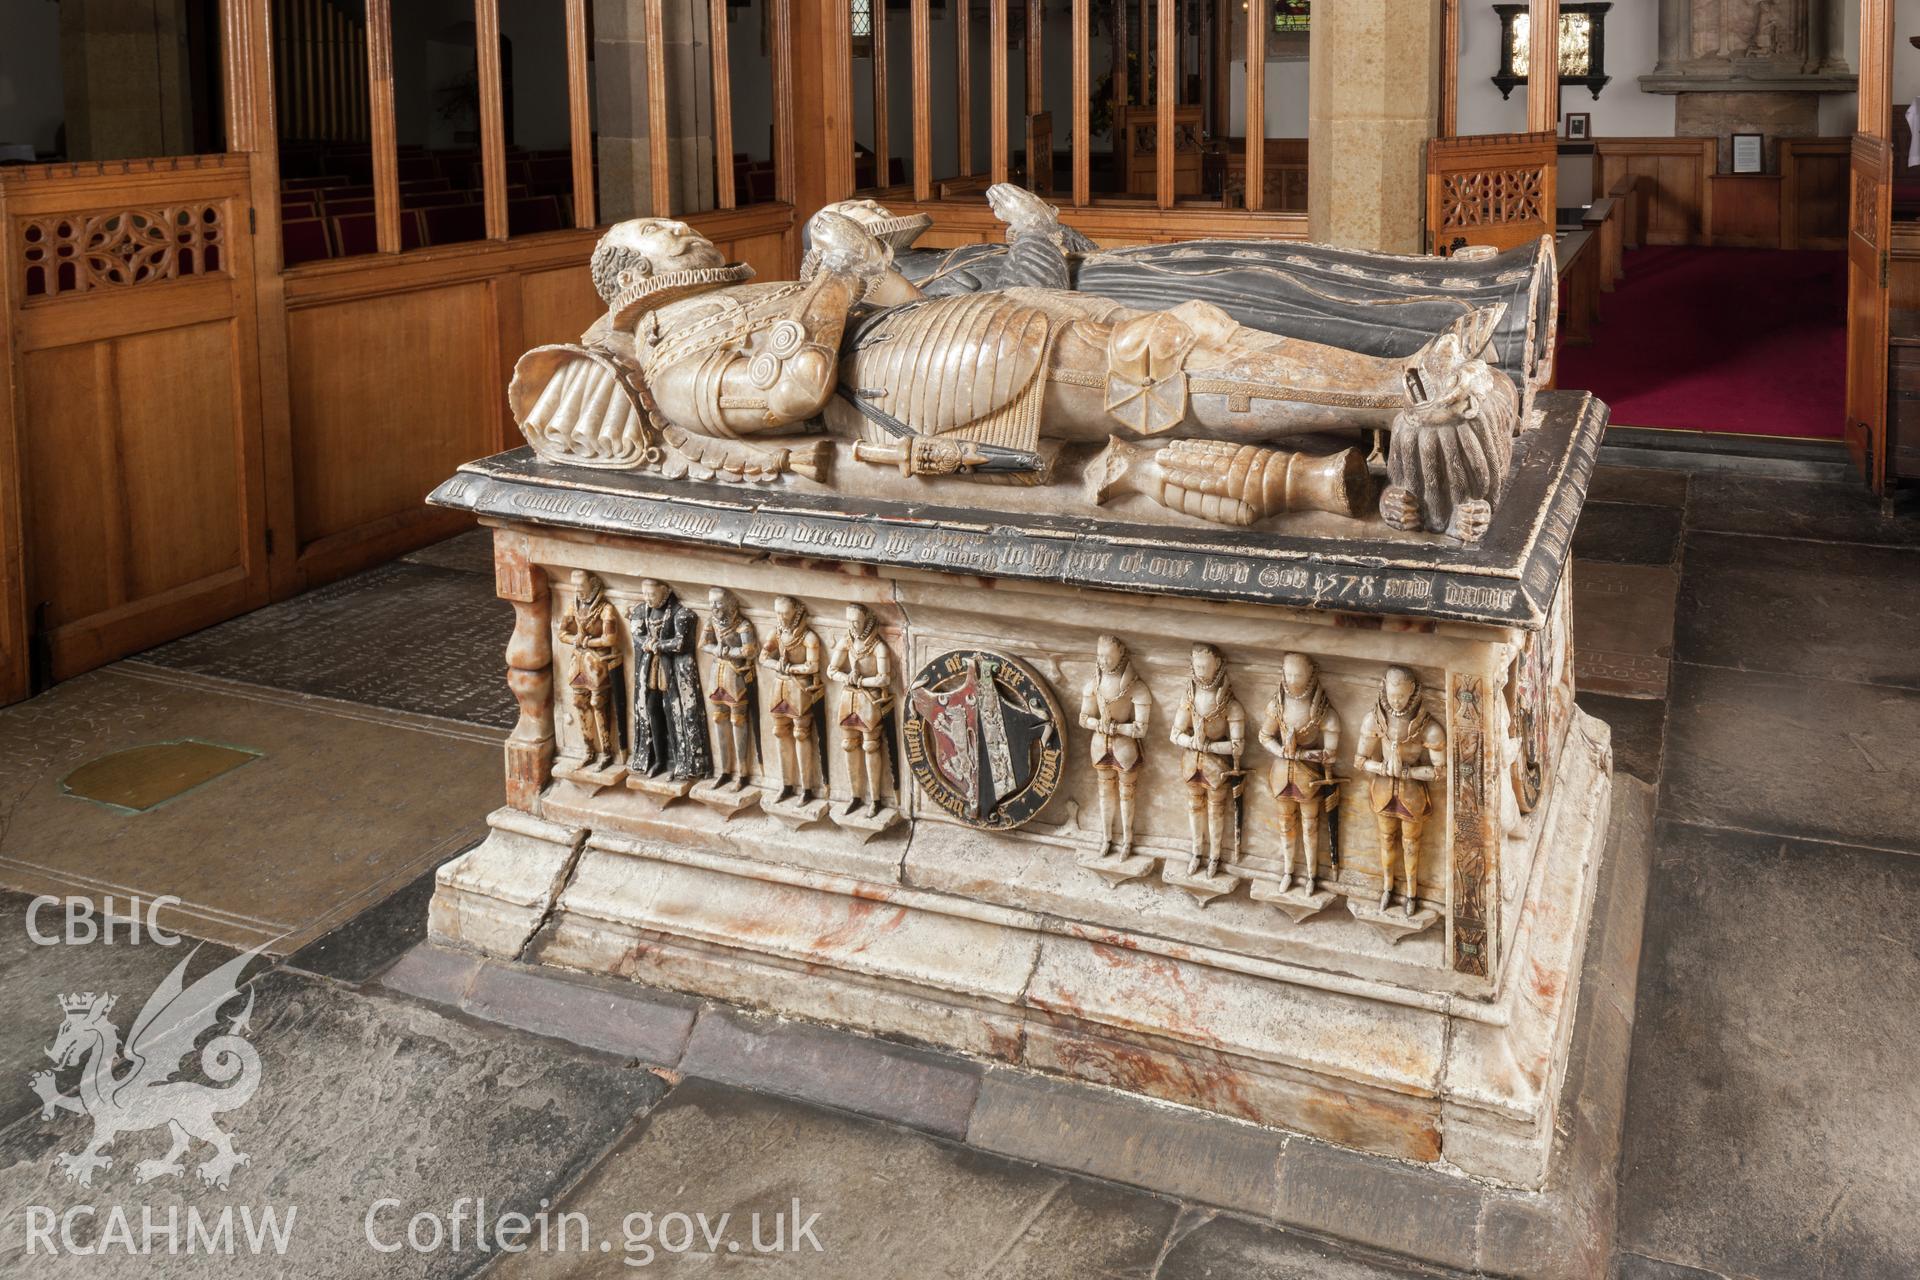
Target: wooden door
1869	230
133	402
1490	189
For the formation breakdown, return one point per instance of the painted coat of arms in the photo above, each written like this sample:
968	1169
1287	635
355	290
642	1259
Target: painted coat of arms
145	1094
983	738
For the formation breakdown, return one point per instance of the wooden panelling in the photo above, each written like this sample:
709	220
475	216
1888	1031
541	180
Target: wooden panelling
1120	223
403	385
400	364
1813	192
1679	197
1746	210
134	393
1904	267
556	306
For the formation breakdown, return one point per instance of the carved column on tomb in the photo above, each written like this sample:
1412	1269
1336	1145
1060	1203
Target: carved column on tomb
1475	835
530	747
1372	105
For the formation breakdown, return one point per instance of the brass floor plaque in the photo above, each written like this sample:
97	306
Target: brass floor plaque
142	778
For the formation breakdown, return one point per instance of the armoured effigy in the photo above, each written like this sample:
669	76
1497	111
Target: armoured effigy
691	369
1210	728
793	657
862	667
1301	730
591	628
728	637
1116	707
1403	749
1375	303
920	526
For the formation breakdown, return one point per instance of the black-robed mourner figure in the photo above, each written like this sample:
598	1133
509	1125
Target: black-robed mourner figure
669	709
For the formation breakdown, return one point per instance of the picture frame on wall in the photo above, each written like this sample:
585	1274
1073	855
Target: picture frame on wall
1579	126
1749	153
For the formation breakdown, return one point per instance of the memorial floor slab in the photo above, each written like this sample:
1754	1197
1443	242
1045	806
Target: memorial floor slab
415	637
1763	1138
1829	610
277	852
1814	759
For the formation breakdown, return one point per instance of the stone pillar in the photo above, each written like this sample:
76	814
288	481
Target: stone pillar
1675	34
1832	15
620	75
128	93
1374	98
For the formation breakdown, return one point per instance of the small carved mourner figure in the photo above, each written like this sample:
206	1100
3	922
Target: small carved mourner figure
1404	749
793	654
730	640
863	669
1302	731
591	626
1211	727
669	717
1115	706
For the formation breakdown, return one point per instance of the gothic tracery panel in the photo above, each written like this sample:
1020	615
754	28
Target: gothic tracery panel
67	254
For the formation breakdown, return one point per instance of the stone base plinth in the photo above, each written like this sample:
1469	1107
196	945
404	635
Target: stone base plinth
984	908
1208	1021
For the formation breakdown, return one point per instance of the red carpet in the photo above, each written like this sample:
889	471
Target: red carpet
1749	341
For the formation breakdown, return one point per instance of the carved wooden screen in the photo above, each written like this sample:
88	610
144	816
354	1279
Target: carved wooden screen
1495	189
135	401
1868	230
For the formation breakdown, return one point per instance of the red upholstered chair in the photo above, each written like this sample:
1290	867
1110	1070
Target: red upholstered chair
334	206
432	199
355	233
304	240
454	224
552	174
299	204
533	215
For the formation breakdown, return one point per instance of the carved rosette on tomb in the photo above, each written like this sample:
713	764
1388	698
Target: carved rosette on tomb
1323	737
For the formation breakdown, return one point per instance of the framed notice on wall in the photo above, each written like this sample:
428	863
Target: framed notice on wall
1749	156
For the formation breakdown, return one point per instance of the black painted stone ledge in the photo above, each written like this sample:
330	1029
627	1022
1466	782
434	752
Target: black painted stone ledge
1507	579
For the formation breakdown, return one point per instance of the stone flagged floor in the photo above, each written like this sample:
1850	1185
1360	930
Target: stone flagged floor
1769	1131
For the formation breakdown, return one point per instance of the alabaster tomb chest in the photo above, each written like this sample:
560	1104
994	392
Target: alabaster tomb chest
1300	826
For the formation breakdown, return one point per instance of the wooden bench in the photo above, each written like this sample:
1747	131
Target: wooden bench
1579	256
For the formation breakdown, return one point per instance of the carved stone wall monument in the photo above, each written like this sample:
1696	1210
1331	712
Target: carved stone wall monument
1378	943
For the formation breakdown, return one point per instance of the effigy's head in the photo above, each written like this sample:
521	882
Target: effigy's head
645	263
896	231
1207	664
1109	653
1400	690
1297	674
